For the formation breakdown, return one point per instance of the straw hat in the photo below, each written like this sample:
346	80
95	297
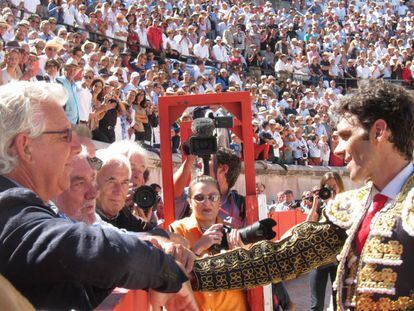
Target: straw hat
87	42
3	23
56	43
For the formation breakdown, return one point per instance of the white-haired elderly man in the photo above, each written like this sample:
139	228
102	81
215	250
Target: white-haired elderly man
78	202
113	184
137	157
55	263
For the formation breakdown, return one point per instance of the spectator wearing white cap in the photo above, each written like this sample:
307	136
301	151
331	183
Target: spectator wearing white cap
133	82
334	71
219	52
275	129
67	80
51	51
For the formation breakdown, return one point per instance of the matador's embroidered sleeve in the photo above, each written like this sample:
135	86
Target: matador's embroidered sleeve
311	245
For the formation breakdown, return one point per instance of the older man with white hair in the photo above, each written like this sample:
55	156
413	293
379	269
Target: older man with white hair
55	263
137	156
78	202
113	185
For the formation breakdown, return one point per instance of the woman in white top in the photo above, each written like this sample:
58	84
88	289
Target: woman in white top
314	151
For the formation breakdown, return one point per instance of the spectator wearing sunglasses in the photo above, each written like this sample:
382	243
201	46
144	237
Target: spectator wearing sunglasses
85	96
225	166
203	229
52	70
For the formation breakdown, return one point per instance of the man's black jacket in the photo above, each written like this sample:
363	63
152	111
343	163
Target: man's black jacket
126	220
57	264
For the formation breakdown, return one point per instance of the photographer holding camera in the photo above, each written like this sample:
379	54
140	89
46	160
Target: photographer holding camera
113	185
225	167
330	185
107	113
204	231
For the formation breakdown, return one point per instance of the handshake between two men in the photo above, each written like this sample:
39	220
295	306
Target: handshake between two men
178	248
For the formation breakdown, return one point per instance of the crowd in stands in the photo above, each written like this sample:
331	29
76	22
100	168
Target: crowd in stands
116	58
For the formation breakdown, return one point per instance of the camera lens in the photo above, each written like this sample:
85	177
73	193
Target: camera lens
325	193
145	197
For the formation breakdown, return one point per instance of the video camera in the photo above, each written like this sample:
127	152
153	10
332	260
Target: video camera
260	230
203	142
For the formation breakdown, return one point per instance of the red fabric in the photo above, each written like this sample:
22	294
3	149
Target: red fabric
154	35
335	160
133	41
406	74
362	235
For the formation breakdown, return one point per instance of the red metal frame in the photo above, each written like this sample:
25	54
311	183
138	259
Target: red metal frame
237	103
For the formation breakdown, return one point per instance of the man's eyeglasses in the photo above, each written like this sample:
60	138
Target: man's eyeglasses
67	132
95	163
201	198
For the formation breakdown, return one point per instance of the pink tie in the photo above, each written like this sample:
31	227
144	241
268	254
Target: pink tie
378	203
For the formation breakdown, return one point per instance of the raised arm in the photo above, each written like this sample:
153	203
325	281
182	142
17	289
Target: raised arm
311	244
182	175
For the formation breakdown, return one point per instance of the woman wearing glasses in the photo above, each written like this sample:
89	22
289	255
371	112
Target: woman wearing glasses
319	276
203	230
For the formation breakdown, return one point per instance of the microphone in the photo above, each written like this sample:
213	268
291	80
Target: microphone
203	127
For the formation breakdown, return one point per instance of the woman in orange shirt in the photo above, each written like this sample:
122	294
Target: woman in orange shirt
203	229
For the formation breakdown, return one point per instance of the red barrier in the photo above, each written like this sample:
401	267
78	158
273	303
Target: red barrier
238	104
126	300
122	299
286	220
133	300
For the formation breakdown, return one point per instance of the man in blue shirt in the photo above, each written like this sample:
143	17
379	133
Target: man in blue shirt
67	80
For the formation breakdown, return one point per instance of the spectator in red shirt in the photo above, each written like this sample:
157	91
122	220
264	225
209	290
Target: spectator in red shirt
154	35
406	74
